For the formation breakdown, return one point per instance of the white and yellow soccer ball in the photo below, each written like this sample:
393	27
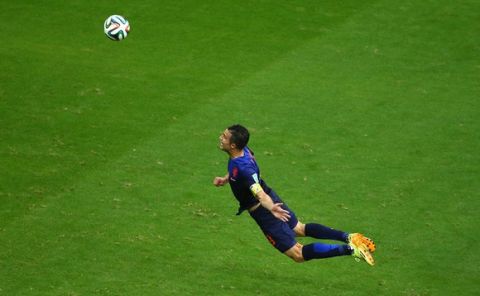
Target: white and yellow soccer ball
116	27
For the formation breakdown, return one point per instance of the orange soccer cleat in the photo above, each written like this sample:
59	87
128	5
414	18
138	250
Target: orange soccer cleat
358	239
361	253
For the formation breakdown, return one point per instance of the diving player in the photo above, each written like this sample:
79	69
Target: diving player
278	223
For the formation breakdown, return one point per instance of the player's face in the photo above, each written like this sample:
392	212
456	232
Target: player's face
225	144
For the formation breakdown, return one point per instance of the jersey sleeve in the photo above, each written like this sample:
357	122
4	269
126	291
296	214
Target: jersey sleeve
252	180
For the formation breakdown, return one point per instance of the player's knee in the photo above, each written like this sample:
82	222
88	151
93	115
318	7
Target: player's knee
295	253
299	229
298	259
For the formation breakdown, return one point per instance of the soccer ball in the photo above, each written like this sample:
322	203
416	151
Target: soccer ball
116	27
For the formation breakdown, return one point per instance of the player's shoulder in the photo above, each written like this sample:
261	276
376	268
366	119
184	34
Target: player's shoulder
241	162
244	165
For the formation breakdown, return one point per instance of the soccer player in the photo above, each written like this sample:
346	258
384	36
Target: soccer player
275	219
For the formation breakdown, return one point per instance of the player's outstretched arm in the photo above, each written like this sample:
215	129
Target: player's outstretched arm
220	181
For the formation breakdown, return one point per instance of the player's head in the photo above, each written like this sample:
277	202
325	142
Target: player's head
234	137
240	136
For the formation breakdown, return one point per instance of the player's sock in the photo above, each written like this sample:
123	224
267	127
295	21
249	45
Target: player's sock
319	250
323	232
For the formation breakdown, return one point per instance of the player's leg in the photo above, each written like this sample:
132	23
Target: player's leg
295	253
319	231
299	229
322	232
282	237
300	253
314	230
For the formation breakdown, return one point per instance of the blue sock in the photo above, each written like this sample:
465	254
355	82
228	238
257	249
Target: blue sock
319	250
323	232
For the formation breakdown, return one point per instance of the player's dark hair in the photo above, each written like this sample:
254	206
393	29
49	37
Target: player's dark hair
240	135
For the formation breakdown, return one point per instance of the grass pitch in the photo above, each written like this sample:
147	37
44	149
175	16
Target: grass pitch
364	117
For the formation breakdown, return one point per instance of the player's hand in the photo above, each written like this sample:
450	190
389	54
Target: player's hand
280	213
220	181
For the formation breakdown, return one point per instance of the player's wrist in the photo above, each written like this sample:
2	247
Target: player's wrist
269	206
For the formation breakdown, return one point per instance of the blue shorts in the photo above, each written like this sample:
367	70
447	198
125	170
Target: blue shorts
280	234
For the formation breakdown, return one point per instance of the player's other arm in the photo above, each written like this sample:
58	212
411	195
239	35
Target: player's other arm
220	181
267	202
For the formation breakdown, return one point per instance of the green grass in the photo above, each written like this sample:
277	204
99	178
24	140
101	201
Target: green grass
364	117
